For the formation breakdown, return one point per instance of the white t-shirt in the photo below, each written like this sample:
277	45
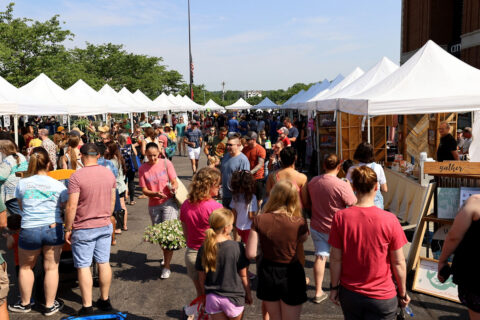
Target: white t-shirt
375	167
242	209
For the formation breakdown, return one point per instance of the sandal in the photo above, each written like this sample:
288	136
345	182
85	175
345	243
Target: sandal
118	231
125	229
131	203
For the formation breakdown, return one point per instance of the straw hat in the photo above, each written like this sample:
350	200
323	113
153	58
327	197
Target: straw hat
103	129
78	131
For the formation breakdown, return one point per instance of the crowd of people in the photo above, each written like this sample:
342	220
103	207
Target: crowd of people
249	203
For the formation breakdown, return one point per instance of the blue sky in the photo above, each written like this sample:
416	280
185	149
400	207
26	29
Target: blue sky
262	44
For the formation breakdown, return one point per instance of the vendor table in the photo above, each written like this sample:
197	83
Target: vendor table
405	197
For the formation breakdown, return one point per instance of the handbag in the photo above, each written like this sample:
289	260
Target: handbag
181	193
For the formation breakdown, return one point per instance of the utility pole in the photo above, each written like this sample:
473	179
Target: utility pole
223	90
190	53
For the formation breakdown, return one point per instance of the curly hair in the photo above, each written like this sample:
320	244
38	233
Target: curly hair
242	182
201	184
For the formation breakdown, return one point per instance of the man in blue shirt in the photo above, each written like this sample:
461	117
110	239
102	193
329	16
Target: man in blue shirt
193	140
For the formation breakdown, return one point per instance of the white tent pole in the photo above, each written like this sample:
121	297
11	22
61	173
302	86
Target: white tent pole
131	122
69	123
15	128
368	129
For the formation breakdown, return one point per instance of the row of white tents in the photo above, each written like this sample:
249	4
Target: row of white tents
431	81
42	96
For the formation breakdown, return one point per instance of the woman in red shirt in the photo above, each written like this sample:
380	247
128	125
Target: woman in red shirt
366	247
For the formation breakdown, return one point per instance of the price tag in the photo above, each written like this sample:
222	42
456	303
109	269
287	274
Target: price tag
6	121
65	119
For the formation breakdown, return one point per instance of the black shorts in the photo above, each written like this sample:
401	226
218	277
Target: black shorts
122	195
281	281
469	298
260	189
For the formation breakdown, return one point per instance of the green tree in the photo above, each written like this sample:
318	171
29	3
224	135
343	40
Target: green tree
29	47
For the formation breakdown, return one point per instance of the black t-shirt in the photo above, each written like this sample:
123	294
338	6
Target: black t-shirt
226	281
447	145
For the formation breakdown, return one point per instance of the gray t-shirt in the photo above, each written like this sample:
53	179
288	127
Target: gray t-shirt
226	281
194	136
292	132
229	166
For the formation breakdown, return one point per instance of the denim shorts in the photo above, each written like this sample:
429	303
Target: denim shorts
88	244
320	242
36	238
13	207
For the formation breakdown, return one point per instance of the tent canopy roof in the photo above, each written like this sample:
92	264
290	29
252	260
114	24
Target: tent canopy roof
266	104
240	104
431	81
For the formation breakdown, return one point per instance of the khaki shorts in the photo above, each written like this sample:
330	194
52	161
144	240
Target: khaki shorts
190	259
4	283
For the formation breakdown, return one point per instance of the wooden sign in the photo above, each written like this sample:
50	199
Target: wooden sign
452	168
426	281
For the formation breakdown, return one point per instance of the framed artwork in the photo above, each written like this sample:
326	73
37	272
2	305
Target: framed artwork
426	281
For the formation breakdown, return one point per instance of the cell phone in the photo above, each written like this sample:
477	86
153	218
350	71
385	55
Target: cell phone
445	272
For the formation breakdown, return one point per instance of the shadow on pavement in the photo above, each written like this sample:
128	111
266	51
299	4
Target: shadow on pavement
460	310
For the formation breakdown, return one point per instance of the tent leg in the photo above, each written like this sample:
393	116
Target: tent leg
15	128
368	130
69	123
339	135
131	122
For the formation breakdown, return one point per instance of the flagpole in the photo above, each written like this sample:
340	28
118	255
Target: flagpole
190	53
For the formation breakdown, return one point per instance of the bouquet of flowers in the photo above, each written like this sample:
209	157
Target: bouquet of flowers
169	234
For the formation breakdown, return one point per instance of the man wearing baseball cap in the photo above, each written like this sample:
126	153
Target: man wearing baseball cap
193	140
88	227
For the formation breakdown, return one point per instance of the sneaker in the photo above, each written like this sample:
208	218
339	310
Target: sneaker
104	305
85	311
18	307
57	306
320	299
165	273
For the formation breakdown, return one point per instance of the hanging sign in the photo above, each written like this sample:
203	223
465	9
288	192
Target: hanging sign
6	121
65	119
104	117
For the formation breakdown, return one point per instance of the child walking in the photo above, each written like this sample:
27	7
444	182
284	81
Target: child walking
244	202
222	267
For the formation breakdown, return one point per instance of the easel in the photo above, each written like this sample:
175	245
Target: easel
453	174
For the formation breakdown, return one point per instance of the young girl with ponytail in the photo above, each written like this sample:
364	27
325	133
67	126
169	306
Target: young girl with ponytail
222	267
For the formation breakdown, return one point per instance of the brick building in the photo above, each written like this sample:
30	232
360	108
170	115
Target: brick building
453	24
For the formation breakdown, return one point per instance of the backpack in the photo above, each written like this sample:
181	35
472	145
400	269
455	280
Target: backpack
171	147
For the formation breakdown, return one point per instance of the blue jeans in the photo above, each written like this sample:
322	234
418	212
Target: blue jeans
91	243
36	238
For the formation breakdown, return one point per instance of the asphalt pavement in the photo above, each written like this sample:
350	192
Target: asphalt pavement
138	290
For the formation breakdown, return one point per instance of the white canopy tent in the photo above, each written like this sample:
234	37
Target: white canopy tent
266	104
213	106
290	102
377	73
94	102
192	105
431	81
312	92
11	98
141	97
50	99
112	95
136	105
334	88
163	103
240	104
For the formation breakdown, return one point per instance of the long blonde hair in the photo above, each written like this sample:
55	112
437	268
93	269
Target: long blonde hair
202	182
8	148
73	143
284	197
218	220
